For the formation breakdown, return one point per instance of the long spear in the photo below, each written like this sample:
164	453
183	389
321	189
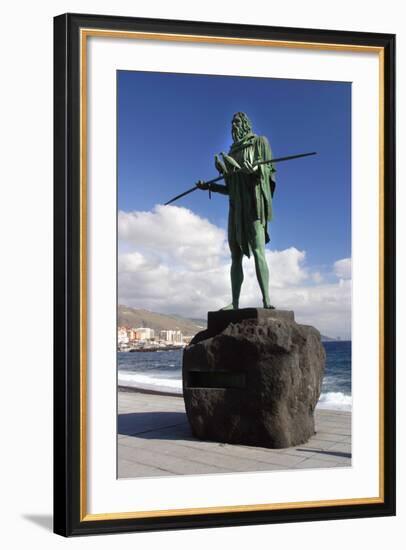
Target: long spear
258	163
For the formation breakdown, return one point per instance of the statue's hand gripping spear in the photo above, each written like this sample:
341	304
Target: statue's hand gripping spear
224	169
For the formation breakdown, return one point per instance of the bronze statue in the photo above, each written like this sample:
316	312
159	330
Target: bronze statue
249	178
250	184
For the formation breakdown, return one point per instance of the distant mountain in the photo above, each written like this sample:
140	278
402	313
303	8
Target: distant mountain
135	318
338	339
201	323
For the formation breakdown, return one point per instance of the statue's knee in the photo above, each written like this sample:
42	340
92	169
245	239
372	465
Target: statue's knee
256	251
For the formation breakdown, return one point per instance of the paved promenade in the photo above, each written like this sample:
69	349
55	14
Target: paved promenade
154	439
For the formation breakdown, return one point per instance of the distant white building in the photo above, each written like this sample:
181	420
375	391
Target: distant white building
122	336
144	333
171	336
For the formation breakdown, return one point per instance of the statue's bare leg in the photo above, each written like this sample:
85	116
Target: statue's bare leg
261	266
237	275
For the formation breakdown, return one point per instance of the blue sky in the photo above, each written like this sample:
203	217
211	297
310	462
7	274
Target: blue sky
171	125
169	128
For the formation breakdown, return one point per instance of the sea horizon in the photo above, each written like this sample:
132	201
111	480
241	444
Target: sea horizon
161	372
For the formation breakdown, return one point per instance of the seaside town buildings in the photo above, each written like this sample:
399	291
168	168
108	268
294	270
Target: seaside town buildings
145	338
122	336
143	333
172	336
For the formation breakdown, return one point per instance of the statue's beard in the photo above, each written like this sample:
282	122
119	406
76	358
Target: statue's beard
238	133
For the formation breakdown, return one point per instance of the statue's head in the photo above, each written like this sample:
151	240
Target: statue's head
240	126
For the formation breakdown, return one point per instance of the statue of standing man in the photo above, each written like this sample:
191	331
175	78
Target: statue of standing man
250	192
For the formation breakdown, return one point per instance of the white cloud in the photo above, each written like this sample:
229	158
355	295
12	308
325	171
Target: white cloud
173	261
317	277
175	233
325	306
136	262
342	268
287	266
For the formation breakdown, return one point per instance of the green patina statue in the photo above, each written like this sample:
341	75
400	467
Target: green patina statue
250	188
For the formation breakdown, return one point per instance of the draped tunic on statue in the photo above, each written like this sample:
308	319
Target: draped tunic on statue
250	195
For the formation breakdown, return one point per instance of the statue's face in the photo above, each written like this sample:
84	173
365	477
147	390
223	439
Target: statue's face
238	129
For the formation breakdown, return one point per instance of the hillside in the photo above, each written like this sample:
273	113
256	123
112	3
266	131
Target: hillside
328	339
135	318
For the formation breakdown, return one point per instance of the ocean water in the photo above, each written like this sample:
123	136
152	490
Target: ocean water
336	389
162	371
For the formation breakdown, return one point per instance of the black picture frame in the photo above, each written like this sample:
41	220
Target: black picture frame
68	520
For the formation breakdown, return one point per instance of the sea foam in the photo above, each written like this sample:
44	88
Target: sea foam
150	383
329	400
337	401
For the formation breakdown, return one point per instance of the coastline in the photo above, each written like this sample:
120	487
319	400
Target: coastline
134	389
159	373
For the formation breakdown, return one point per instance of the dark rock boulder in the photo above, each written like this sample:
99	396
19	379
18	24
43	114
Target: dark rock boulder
254	379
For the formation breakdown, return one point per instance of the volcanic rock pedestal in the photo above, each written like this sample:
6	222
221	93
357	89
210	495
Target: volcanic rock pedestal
253	378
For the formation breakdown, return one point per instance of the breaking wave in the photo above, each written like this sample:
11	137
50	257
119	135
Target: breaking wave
335	401
330	400
150	383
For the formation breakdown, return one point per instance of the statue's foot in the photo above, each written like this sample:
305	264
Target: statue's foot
230	306
268	306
